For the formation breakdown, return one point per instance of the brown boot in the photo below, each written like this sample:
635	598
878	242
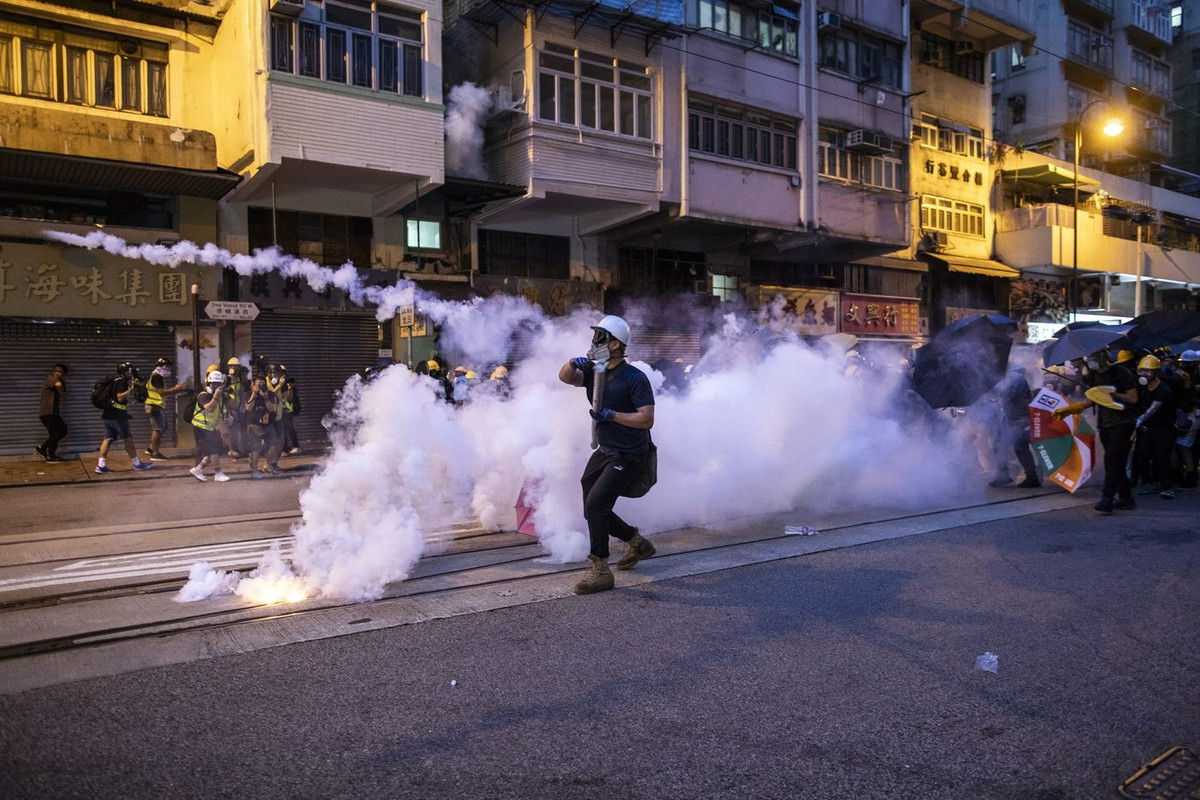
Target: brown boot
636	549
597	579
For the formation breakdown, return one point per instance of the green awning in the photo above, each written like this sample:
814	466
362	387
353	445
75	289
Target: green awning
1049	175
976	266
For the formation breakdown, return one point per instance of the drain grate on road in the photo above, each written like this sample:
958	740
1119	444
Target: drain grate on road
1174	775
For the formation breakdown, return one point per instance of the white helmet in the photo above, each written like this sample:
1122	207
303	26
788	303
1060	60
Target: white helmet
614	326
215	378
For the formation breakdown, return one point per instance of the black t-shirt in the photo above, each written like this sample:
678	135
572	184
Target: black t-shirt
119	385
1164	417
1124	380
626	389
259	414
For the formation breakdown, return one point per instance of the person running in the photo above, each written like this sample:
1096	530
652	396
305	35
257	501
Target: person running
206	420
1116	426
157	392
622	425
116	417
54	391
291	408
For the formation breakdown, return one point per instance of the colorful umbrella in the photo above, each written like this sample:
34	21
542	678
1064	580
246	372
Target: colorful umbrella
525	511
1066	447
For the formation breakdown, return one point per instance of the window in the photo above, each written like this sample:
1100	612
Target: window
725	287
82	67
327	239
526	255
1016	58
358	42
774	27
741	134
84	206
942	134
882	170
423	234
1089	46
861	55
591	90
947	56
951	216
1151	74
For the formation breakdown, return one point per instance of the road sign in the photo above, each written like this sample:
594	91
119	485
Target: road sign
407	312
227	309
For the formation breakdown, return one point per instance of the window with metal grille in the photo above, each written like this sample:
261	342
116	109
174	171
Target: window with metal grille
951	216
594	91
742	134
44	60
371	45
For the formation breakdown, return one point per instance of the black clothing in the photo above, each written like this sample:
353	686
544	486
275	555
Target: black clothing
1164	417
1124	380
1117	442
604	478
56	429
622	454
112	412
626	389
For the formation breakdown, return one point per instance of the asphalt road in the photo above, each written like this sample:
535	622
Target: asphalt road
842	674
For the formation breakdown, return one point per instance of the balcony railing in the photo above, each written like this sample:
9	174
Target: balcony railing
1153	20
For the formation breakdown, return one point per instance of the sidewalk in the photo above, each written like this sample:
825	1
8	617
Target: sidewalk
31	471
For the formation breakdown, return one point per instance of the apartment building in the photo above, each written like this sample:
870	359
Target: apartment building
1106	229
101	127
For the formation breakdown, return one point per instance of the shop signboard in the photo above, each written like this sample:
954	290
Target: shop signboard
52	282
874	315
808	312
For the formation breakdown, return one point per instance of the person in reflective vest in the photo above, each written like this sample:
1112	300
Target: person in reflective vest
206	420
157	392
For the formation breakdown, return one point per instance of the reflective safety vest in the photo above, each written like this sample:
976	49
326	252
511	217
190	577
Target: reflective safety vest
153	398
208	420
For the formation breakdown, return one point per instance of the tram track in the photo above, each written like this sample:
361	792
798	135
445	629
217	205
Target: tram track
436	575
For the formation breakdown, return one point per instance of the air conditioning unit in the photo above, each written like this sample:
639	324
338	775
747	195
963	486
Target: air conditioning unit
1016	101
964	47
292	8
827	20
868	141
940	238
1150	123
503	102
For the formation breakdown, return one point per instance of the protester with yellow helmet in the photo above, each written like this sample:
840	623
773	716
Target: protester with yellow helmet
1114	394
1155	431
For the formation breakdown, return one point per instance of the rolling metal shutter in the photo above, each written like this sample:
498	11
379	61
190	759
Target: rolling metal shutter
90	351
320	352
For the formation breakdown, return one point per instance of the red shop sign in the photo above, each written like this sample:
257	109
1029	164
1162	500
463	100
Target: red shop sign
890	316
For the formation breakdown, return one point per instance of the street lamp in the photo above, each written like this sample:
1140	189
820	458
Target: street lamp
1112	128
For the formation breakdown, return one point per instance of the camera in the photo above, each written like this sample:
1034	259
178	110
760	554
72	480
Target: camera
259	366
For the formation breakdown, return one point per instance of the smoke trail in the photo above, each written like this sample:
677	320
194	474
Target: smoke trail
765	424
466	111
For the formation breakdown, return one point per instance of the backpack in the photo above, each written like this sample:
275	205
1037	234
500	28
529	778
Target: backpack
189	410
102	393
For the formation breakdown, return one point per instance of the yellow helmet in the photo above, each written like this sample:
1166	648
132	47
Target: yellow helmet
211	368
233	362
1124	355
1149	362
471	375
461	368
1057	369
499	373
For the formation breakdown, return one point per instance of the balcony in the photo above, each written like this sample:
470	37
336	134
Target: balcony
1149	22
1042	236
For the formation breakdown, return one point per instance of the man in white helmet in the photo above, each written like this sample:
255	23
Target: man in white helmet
623	423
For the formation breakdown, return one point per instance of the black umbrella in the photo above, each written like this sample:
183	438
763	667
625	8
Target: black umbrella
962	362
1074	326
1082	342
996	319
1163	329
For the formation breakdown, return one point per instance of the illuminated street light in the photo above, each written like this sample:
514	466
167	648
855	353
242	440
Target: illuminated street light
1112	128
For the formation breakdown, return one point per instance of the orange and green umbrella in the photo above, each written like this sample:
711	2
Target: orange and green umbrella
1066	448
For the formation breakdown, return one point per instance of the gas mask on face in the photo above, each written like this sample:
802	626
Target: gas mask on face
1093	363
1143	378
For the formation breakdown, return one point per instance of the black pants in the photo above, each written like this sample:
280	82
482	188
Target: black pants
1014	434
290	439
1116	440
604	478
1152	454
57	430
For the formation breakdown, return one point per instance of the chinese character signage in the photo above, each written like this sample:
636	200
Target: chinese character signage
48	281
887	316
808	312
272	290
555	297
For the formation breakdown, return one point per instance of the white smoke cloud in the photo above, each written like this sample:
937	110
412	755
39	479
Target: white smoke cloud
765	424
466	112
